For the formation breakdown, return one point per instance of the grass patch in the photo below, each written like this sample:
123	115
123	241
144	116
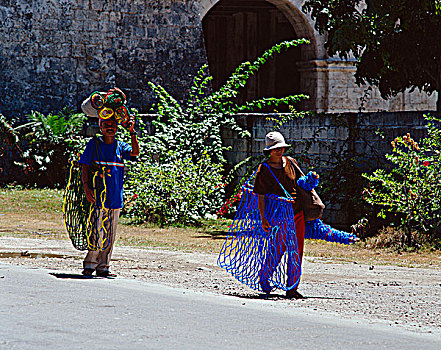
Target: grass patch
31	201
37	213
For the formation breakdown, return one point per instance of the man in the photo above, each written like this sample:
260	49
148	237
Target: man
104	188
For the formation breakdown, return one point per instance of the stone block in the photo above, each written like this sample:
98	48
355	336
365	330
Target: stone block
314	149
259	133
339	91
240	145
341	133
64	51
229	143
228	133
97	5
257	146
321	133
294	133
325	149
235	157
308	132
82	14
360	147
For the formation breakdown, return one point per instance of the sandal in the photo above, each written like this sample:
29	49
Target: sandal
87	272
105	274
265	286
294	294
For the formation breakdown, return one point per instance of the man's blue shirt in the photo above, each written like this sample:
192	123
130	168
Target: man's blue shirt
111	157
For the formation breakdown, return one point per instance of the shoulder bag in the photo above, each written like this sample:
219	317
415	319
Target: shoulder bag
312	205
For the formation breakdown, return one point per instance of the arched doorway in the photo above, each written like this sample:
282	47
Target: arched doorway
237	31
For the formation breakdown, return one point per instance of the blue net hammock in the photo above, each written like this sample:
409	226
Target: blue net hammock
88	226
262	260
268	260
317	229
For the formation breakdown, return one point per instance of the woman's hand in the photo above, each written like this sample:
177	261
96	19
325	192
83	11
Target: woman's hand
265	225
261	206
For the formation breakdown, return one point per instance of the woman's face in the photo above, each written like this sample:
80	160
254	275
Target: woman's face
278	152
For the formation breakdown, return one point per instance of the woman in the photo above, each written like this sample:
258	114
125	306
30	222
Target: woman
264	245
278	176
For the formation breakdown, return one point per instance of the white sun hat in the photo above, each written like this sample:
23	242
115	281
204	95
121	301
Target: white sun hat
274	140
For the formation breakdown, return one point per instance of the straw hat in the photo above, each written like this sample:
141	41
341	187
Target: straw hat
274	140
87	108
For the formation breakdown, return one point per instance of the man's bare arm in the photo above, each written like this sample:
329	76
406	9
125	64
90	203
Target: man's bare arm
85	178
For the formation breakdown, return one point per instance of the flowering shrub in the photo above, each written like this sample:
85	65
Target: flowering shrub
411	189
230	206
195	126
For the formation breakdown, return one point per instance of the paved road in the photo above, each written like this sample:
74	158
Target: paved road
42	309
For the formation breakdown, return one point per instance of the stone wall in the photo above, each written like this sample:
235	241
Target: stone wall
379	128
54	53
332	89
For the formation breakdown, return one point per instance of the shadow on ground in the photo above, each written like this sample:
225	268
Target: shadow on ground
278	297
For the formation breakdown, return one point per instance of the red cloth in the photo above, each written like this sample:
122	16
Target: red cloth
277	247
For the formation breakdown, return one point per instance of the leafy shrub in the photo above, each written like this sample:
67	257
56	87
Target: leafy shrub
10	153
181	166
411	189
177	191
195	126
49	141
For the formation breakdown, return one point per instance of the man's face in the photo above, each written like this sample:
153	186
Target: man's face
108	127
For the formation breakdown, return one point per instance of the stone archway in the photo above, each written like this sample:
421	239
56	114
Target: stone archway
236	31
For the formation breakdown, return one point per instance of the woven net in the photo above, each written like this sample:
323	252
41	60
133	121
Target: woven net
268	260
262	260
317	229
88	226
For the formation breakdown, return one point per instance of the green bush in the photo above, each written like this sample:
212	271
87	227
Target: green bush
195	126
411	189
178	178
49	142
177	191
10	153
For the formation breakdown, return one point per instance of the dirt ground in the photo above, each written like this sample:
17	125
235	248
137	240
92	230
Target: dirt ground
408	297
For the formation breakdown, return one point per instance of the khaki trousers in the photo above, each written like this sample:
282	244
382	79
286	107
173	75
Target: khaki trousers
99	260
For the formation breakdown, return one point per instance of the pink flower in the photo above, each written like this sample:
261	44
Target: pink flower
426	163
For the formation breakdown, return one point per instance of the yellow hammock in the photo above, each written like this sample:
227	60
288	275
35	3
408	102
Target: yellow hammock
85	222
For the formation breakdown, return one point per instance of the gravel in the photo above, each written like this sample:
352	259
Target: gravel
399	296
